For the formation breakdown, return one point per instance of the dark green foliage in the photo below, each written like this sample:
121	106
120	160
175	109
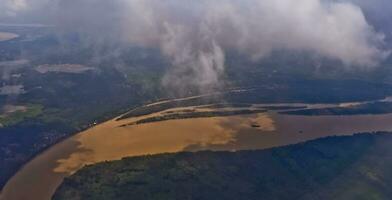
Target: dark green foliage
294	90
346	168
364	109
126	77
68	103
20	142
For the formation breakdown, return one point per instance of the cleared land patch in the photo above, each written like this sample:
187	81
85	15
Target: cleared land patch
63	68
14	114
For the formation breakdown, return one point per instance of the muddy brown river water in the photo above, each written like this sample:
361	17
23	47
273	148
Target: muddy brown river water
4	36
39	178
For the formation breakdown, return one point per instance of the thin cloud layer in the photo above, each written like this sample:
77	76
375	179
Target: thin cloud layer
194	35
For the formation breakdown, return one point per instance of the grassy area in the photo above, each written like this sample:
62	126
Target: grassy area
32	110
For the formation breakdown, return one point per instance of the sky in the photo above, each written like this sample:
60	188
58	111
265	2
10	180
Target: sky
195	34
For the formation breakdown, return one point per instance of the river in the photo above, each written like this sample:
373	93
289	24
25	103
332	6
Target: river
39	178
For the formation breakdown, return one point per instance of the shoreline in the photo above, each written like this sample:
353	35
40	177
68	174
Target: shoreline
7	36
102	121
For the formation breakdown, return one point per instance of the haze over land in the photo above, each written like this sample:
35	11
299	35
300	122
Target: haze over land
195	35
86	81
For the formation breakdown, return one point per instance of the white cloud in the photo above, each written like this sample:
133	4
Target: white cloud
194	34
11	7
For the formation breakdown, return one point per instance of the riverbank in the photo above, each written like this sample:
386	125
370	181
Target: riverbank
340	168
5	36
111	141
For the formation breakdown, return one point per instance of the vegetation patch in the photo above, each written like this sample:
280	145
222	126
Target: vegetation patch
340	168
12	118
189	115
362	109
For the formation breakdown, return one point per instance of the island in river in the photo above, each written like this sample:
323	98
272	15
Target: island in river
339	168
116	139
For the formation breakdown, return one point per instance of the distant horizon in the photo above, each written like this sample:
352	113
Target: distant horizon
25	24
